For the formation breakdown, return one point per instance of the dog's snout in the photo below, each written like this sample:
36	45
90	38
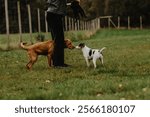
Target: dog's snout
71	47
77	47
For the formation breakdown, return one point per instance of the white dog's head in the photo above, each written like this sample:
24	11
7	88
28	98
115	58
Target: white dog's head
80	46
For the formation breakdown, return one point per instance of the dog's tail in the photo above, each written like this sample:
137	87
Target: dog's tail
22	45
102	49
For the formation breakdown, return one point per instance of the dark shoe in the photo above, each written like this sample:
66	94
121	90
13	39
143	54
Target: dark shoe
62	66
66	65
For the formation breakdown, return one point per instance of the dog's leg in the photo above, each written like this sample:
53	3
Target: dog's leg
87	62
33	59
29	65
101	59
94	62
49	57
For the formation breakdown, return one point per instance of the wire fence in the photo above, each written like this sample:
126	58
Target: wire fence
17	17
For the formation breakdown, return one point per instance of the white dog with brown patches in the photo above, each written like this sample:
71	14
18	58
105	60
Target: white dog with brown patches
91	54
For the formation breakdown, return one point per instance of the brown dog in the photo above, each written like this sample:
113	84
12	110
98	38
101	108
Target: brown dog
43	48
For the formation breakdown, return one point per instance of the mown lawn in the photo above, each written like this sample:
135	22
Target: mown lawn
125	74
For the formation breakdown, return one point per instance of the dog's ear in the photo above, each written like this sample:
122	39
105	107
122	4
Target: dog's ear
81	45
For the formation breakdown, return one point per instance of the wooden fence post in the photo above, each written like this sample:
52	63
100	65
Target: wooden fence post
141	23
30	22
112	23
95	24
72	21
65	23
7	23
78	24
86	25
118	22
98	23
81	24
69	23
46	24
109	22
76	28
90	25
129	22
19	21
39	23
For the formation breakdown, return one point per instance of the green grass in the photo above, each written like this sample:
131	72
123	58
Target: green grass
125	75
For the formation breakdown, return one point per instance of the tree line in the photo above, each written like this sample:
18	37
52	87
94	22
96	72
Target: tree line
92	8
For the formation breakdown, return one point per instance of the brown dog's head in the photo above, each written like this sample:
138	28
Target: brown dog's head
68	44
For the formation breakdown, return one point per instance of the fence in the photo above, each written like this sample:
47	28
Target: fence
39	23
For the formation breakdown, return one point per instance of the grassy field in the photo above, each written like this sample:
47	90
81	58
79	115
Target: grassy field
125	75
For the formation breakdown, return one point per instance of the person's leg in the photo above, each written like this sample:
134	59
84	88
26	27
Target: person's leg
59	43
57	32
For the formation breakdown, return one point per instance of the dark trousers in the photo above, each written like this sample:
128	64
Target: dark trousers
55	25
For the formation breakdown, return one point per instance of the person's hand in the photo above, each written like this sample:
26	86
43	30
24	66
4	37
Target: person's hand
77	10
